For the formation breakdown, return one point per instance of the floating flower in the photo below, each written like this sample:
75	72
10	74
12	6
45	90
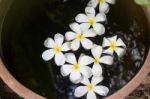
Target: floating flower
91	20
75	69
56	48
97	59
114	45
103	4
79	35
91	89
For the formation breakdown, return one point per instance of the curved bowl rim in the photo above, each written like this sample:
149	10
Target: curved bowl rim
26	93
139	77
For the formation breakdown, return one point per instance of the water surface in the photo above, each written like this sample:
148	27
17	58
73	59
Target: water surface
29	23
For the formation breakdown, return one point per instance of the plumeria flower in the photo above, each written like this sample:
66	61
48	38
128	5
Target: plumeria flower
98	59
91	20
91	88
114	45
56	47
75	69
79	35
103	4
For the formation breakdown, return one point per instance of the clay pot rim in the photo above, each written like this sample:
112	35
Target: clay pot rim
139	77
26	93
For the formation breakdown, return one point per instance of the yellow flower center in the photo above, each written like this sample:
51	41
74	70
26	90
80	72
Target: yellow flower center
96	60
57	49
92	22
113	45
76	67
90	87
80	37
101	1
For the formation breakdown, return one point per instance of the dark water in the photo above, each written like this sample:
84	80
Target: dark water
29	22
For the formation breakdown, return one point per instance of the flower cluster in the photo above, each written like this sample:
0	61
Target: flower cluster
81	70
103	4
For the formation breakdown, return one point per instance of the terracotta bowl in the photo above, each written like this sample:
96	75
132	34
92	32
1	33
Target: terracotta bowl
28	94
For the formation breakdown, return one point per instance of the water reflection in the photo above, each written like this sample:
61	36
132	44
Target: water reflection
123	69
23	44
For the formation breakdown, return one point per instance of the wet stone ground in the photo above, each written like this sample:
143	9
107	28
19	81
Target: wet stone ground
7	93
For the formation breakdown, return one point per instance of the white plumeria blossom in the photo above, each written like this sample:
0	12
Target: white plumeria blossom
87	25
90	19
97	59
103	4
80	35
114	45
56	47
91	88
75	69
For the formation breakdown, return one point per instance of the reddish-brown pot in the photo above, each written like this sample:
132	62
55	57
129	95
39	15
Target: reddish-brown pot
28	94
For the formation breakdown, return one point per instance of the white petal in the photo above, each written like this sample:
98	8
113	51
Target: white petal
97	70
104	8
85	60
101	90
84	26
120	43
75	77
66	70
96	80
66	46
70	36
82	54
60	59
120	51
106	42
85	81
91	95
90	11
106	60
109	51
70	58
86	43
96	51
59	38
92	3
100	17
48	54
86	71
91	16
89	33
99	28
80	91
75	44
111	1
113	39
49	43
75	27
81	18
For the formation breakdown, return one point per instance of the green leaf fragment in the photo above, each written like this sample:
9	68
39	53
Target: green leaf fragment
143	2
